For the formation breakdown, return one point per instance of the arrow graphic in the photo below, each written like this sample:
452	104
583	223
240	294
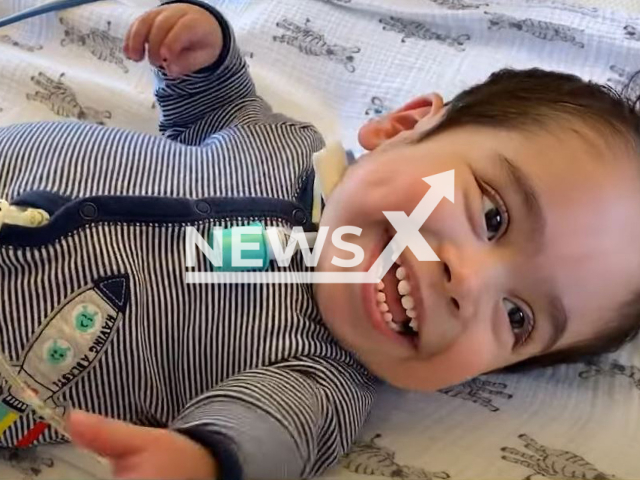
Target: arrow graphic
408	227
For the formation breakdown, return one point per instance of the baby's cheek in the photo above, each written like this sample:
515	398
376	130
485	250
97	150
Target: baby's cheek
449	222
457	364
473	354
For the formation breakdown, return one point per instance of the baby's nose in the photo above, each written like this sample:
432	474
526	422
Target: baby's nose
463	286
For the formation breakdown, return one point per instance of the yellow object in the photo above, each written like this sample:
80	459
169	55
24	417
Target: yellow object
7	421
330	165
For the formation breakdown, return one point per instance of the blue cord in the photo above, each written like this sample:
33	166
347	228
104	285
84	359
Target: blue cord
42	9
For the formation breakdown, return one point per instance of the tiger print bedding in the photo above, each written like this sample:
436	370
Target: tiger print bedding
363	58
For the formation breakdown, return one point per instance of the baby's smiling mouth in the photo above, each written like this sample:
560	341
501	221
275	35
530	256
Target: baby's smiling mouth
395	302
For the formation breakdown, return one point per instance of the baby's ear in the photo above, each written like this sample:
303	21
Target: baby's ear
420	112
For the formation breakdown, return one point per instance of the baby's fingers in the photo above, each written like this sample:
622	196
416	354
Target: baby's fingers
191	45
164	24
134	45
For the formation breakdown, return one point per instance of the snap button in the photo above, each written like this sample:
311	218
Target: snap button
299	216
203	207
88	211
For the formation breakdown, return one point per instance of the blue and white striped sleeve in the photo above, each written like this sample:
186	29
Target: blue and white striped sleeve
196	106
289	421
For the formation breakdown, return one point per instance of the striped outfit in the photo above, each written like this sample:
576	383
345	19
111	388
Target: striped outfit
94	309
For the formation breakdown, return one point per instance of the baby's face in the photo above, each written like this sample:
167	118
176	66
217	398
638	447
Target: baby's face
538	250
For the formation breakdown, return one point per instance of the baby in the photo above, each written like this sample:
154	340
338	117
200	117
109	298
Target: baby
539	259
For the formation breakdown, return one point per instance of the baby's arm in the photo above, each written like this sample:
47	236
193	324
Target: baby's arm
282	422
288	421
202	81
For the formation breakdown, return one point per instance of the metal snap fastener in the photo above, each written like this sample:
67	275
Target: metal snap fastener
203	207
299	216
88	211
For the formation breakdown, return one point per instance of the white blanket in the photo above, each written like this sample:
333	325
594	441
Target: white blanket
360	58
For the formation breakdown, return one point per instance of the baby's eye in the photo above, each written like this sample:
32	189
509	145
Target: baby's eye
496	217
520	321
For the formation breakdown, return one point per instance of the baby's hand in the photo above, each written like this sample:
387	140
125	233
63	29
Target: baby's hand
181	38
137	452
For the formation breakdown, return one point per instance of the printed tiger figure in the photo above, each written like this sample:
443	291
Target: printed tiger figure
479	392
631	33
100	43
313	43
26	462
621	78
549	31
567	7
612	368
458	4
369	458
58	97
551	463
8	40
377	108
414	29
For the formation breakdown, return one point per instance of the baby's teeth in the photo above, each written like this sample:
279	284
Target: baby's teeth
407	302
412	314
404	288
388	317
394	326
381	297
383	307
414	324
401	273
381	286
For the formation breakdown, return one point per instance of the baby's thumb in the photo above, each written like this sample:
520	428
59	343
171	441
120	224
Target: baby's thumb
108	438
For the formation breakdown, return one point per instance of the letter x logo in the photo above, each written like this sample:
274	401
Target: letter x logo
408	227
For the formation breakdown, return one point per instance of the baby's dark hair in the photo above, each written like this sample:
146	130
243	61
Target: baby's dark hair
533	99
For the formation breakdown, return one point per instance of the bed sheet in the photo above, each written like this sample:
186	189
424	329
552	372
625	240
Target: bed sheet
354	60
